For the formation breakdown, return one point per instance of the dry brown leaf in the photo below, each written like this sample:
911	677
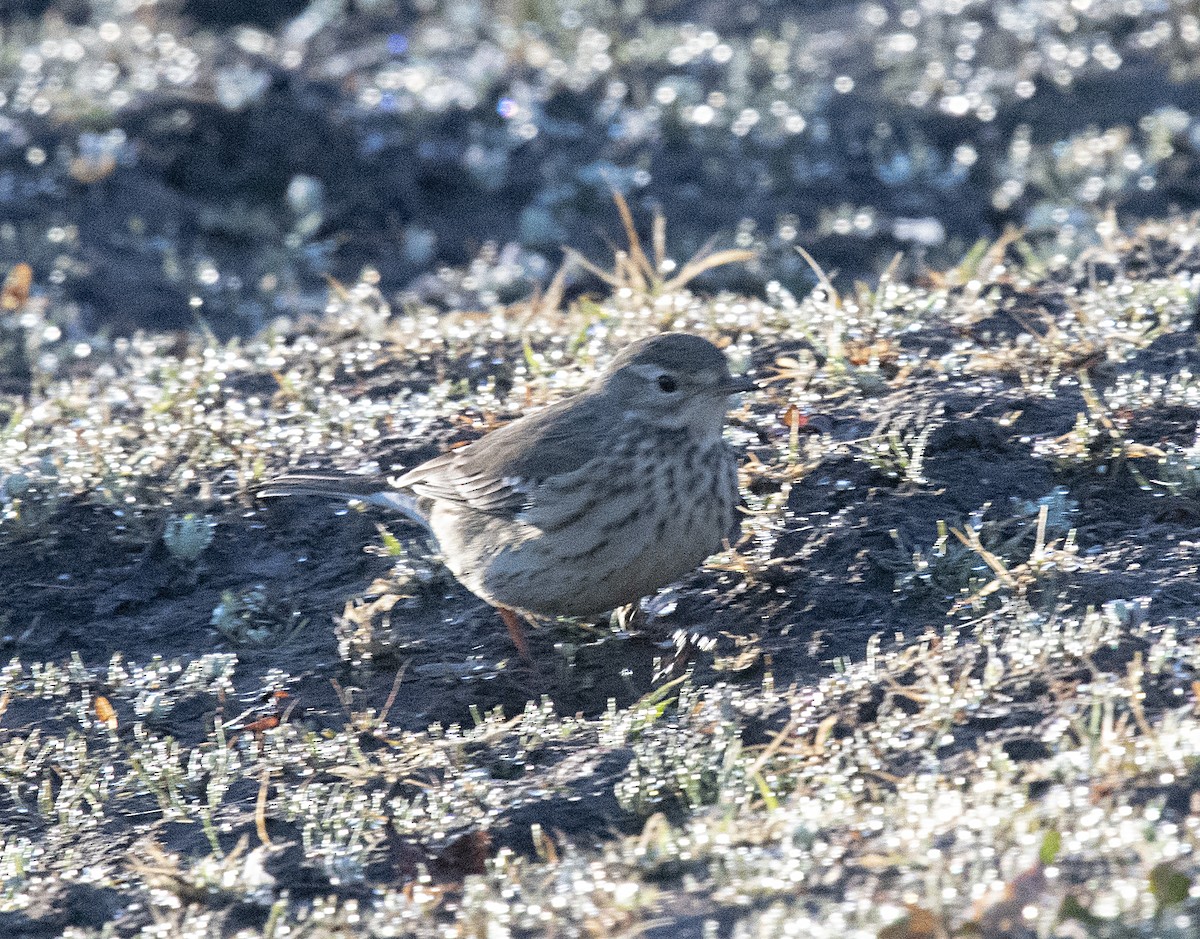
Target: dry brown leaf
16	287
105	712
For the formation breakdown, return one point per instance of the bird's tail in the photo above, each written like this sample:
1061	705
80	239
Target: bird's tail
347	487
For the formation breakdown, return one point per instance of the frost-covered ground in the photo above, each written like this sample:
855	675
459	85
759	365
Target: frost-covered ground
947	682
945	686
161	162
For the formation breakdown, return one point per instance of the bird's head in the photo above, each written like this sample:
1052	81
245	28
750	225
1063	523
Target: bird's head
673	381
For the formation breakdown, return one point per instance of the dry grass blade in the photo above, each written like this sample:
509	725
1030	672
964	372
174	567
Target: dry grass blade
1039	544
260	808
337	287
629	273
889	272
659	240
395	690
772	748
636	255
612	279
822	277
634	271
970	539
699	264
876	297
995	254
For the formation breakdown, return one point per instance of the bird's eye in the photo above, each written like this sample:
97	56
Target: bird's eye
666	383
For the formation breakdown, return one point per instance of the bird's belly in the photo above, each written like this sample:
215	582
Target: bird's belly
622	550
628	579
561	578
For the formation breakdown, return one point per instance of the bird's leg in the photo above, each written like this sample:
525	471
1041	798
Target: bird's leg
516	632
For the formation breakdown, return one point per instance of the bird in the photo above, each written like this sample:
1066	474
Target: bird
586	505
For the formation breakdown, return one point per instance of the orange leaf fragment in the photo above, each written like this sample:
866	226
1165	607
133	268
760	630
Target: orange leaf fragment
792	417
105	712
920	923
269	722
16	287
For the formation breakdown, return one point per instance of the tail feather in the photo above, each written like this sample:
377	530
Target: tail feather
346	487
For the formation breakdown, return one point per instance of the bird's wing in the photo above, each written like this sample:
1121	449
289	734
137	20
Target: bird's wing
501	473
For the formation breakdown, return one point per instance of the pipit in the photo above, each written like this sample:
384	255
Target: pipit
589	504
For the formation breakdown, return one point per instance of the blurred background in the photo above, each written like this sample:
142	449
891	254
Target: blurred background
207	163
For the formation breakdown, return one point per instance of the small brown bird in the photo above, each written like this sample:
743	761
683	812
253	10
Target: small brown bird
589	504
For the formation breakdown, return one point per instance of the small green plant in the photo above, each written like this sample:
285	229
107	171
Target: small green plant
187	536
28	504
944	569
250	617
1178	470
1097	441
1045	561
972	561
896	448
693	756
1059	509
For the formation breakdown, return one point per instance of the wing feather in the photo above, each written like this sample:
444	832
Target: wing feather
500	473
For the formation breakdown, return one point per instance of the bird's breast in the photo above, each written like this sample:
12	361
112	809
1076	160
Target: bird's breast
642	517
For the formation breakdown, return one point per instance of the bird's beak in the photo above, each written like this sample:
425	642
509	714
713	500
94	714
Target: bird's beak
736	384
